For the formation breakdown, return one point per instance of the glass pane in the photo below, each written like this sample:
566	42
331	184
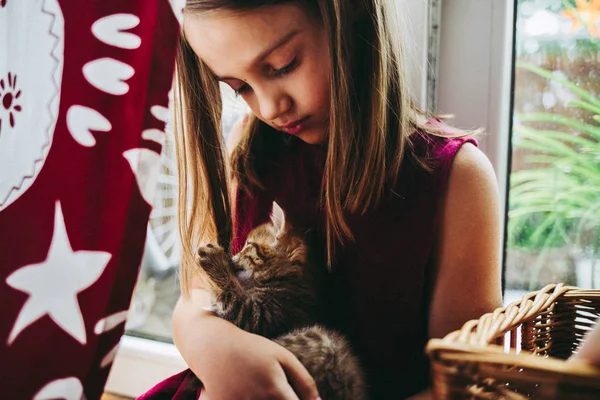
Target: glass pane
554	197
157	288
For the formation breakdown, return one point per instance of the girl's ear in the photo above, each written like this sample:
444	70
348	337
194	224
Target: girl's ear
278	219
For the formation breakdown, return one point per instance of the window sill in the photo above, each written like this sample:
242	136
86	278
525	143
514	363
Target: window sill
142	363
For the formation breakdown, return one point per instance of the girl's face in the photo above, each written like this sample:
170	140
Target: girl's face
275	57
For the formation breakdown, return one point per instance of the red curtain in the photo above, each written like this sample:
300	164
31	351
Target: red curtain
83	98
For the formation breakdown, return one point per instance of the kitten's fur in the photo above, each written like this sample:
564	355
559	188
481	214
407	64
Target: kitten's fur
269	288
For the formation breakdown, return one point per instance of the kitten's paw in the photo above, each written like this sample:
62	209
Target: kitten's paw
212	257
208	250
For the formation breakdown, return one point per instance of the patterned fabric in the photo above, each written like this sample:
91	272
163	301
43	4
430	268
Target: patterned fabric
83	99
378	294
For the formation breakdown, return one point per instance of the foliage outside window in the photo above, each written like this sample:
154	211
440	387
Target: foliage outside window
554	197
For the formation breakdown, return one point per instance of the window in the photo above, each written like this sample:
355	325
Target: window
543	136
553	231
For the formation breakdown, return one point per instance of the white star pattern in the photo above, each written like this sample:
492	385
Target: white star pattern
53	285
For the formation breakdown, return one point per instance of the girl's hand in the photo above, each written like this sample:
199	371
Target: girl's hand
234	364
248	366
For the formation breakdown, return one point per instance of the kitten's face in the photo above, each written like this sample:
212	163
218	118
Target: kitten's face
270	250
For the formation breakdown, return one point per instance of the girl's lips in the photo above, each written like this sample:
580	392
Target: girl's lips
295	127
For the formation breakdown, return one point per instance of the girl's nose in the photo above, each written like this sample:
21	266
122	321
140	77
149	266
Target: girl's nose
274	103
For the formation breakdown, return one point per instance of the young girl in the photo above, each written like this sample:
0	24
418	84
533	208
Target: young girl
407	210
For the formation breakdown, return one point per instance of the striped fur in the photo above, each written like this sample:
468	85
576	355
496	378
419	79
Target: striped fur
269	288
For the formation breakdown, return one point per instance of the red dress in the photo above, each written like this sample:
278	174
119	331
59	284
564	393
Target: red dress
378	293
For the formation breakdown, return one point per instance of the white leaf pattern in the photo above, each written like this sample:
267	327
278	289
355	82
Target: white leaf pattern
65	389
160	113
110	30
145	165
108	75
177	6
155	135
112	321
82	120
109	357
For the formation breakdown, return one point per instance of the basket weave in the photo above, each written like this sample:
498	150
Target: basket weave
519	351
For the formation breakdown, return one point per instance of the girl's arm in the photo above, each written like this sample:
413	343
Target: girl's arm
466	281
232	363
467	270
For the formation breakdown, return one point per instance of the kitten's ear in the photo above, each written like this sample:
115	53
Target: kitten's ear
278	219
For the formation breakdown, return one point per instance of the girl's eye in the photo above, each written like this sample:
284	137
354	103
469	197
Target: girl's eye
241	90
277	72
287	69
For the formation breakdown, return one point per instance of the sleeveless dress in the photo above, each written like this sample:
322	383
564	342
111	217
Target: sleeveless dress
378	291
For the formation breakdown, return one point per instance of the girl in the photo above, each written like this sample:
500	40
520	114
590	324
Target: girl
407	210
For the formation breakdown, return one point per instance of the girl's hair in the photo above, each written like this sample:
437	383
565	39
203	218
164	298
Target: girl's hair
371	118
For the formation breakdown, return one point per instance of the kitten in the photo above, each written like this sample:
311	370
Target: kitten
270	288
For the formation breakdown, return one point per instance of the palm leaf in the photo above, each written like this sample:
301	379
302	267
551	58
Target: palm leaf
585	105
579	126
549	75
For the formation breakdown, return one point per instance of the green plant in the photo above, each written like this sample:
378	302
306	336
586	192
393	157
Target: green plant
555	201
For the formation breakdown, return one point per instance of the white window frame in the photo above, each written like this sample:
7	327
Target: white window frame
414	23
474	67
475	74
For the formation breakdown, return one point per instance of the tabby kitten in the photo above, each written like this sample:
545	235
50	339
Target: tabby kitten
270	288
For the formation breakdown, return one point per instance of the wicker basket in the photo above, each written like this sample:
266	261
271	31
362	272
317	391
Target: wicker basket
519	351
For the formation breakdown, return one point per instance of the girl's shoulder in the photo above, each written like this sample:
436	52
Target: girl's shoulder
432	154
439	142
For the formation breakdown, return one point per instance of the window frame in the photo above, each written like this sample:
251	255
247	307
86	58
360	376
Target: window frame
475	80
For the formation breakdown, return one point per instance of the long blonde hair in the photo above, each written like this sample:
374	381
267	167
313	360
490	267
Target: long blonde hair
371	120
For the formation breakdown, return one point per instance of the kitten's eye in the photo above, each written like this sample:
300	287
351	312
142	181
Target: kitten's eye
258	251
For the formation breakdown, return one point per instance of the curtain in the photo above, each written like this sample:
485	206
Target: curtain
83	101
